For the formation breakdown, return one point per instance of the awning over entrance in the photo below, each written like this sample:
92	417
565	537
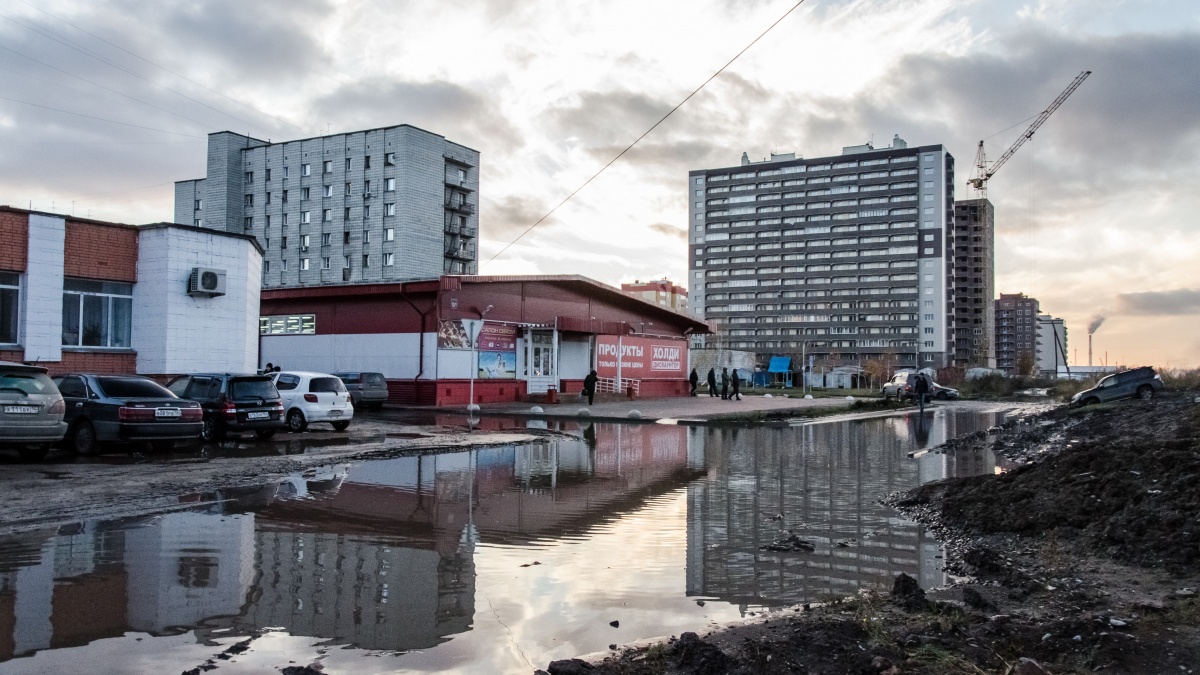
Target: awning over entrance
780	364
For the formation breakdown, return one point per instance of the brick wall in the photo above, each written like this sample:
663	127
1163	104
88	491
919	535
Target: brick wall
101	252
104	363
14	241
16	356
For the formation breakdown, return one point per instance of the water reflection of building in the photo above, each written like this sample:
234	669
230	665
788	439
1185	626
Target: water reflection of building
825	480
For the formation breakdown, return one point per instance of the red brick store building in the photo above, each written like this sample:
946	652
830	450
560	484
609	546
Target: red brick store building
536	333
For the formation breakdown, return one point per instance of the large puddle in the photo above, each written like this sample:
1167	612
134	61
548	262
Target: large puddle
493	560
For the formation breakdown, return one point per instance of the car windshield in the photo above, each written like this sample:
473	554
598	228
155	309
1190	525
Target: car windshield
319	384
132	387
252	387
28	382
376	378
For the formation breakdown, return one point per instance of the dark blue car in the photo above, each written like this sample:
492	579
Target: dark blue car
123	409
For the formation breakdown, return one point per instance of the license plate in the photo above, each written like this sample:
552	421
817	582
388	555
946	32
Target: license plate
335	413
168	412
21	409
258	415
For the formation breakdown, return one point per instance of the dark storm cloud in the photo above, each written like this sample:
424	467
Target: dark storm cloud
1178	302
669	230
452	110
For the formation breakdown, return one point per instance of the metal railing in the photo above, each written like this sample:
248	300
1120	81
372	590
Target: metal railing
618	385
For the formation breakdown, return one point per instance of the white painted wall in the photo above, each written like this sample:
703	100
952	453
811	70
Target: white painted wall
177	333
453	364
42	334
396	355
574	359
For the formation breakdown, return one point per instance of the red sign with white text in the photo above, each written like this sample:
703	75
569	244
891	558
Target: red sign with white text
642	358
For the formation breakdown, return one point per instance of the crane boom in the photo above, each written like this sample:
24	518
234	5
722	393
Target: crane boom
983	173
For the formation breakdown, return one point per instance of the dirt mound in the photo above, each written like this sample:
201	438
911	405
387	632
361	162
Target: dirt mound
1119	480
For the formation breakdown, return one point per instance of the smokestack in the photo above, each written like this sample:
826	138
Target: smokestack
1092	328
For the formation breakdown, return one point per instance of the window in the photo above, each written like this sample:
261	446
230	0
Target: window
283	197
306	169
305	216
324	263
389	184
327	215
929	331
346	258
389	209
266	266
283	265
267	200
389	159
250	200
295	324
303	193
304	263
268	176
327	166
366	161
199	222
283	244
367	211
96	313
248	222
366	261
366	236
366	187
328	191
346	213
389	259
389	234
347	188
304	244
10	299
286	171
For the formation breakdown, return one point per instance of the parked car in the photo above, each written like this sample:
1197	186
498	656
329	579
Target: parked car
313	397
367	390
941	392
122	408
1140	382
232	403
31	410
901	385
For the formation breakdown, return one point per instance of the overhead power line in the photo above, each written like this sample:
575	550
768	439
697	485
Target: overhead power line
647	132
168	70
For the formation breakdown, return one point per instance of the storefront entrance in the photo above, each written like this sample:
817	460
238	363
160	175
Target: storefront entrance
541	369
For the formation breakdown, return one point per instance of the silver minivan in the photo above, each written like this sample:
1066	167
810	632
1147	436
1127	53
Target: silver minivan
31	410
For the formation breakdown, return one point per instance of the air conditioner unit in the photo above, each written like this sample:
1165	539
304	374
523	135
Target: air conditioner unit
205	282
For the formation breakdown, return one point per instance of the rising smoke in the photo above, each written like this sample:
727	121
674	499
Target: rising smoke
1095	324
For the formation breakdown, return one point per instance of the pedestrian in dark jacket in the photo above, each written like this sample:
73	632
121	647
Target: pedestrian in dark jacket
921	389
712	381
725	384
736	393
589	386
694	380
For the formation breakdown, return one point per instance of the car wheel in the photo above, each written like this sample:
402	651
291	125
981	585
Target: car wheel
1091	400
210	432
295	421
1145	392
34	453
264	434
341	426
83	441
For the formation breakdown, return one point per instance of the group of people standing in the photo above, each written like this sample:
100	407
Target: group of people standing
730	389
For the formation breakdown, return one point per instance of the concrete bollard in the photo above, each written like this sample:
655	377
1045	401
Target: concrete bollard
634	415
536	409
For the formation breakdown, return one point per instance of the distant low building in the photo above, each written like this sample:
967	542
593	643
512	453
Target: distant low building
663	292
1051	350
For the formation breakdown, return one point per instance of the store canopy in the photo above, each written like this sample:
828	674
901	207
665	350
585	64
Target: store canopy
780	364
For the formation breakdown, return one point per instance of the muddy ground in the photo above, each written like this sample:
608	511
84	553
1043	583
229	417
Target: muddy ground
1085	558
133	480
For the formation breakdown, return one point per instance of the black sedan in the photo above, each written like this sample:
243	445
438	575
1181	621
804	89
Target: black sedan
124	409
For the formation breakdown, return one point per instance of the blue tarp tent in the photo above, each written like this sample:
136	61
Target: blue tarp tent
783	366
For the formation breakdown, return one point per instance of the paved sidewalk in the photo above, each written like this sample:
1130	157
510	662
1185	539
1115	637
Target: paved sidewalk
682	408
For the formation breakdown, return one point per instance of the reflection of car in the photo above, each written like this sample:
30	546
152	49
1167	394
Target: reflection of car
233	403
941	392
313	397
901	386
1140	382
31	410
367	390
122	408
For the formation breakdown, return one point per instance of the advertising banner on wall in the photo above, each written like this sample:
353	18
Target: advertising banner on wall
642	358
496	346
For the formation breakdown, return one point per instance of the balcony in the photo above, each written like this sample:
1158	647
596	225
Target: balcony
460	206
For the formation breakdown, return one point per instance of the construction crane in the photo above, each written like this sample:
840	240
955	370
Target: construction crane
983	173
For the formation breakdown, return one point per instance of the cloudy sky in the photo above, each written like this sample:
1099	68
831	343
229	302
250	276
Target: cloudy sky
103	104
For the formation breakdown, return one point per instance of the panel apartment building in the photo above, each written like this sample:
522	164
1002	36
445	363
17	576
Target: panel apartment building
387	204
974	283
845	258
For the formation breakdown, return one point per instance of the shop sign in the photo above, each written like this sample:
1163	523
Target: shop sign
641	358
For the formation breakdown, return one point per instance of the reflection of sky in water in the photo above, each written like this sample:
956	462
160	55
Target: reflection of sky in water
425	555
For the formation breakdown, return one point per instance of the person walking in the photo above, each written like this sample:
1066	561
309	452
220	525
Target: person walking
712	381
694	379
921	389
724	384
735	394
589	386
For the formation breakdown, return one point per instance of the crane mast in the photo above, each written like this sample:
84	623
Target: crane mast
983	173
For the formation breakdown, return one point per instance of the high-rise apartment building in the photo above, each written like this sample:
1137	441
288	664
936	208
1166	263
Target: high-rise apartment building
661	292
974	283
1016	332
383	204
847	258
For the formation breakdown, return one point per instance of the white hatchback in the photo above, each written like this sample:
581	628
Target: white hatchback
313	397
